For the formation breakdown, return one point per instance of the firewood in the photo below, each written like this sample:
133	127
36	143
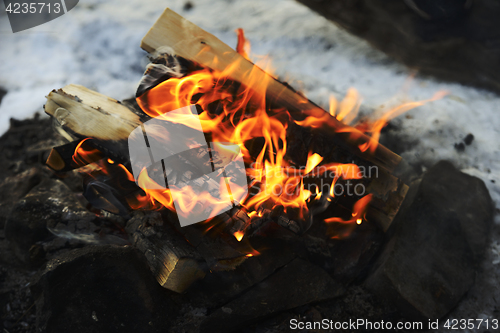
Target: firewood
173	261
193	43
87	113
82	113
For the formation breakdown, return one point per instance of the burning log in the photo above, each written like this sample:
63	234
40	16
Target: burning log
61	157
191	43
194	44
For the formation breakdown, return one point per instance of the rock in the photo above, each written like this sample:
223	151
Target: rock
438	240
41	207
14	188
443	38
188	6
26	144
468	139
460	147
296	284
101	289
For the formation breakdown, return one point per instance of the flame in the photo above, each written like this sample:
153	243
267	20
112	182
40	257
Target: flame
243	116
347	111
358	214
375	127
240	115
84	154
243	46
312	161
349	107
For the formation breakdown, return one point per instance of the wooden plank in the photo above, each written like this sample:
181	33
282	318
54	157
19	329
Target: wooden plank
87	113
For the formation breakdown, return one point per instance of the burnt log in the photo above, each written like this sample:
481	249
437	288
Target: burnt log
51	209
454	40
61	158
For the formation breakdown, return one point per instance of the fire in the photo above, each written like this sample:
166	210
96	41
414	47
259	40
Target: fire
358	215
239	235
244	117
240	115
85	154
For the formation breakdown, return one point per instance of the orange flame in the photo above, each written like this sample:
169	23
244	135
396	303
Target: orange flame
239	114
358	214
84	154
243	46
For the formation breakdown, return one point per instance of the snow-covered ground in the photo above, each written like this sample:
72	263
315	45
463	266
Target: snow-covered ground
97	45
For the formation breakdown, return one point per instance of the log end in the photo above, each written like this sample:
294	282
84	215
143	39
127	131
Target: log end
185	272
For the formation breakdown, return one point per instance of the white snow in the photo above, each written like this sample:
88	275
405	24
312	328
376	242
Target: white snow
97	45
